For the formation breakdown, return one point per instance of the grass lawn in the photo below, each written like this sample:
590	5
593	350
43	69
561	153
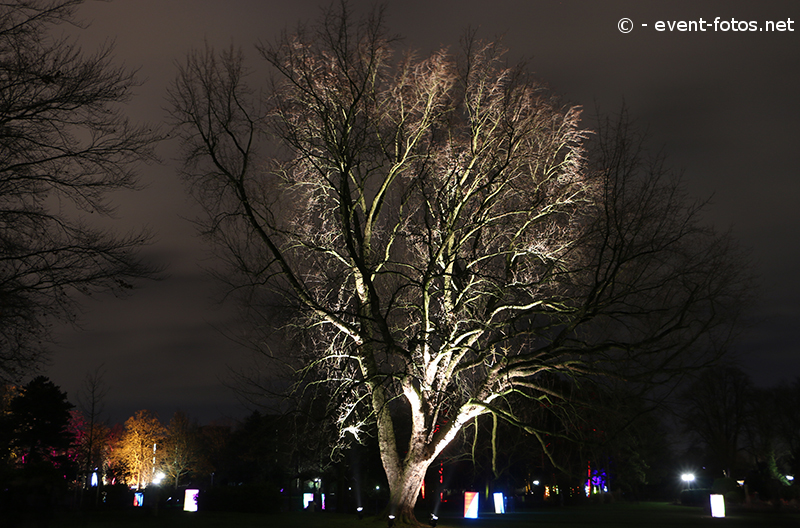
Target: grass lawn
646	515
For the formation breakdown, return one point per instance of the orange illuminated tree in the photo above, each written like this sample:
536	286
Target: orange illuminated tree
444	235
137	449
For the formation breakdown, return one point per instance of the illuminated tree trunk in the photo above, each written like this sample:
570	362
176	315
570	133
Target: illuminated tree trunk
405	475
405	490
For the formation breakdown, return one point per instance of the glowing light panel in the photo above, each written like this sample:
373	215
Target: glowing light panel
308	498
94	479
471	504
190	500
138	498
499	503
717	506
597	482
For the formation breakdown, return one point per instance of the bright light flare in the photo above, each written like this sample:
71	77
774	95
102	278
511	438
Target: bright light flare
687	477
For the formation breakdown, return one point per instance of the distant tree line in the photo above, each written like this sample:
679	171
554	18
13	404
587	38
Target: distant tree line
48	442
742	432
729	427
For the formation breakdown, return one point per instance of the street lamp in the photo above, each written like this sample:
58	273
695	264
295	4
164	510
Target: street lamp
687	479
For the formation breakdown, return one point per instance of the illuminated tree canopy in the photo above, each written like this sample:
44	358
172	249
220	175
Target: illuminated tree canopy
137	450
447	235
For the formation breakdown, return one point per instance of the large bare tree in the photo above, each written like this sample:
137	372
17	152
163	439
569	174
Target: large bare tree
93	442
714	410
181	454
444	234
64	145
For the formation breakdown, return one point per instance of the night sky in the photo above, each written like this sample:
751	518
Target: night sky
723	106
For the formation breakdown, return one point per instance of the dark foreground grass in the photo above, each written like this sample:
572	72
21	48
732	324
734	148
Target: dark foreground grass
624	515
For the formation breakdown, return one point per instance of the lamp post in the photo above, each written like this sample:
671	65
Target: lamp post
687	479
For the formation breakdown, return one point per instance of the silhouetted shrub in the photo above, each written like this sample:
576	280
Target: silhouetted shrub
733	493
695	497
